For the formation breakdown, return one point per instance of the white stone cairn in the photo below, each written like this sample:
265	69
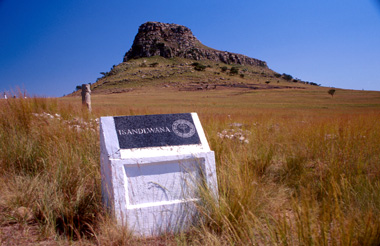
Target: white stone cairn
86	96
155	190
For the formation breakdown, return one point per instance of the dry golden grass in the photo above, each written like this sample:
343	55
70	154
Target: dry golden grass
309	174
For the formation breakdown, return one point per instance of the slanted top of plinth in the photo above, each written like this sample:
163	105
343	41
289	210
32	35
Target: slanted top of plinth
153	134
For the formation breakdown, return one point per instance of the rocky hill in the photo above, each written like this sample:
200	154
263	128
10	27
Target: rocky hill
172	40
169	56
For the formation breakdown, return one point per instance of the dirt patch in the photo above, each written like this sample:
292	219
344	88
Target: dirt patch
23	234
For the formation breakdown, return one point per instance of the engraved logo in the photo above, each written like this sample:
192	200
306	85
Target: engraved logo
183	128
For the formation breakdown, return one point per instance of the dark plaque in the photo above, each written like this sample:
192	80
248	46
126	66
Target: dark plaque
156	130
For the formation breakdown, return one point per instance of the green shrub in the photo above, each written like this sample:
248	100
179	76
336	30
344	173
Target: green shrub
234	70
287	77
198	66
331	92
154	64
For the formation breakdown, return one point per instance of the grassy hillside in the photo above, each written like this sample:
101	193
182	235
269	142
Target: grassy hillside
300	168
187	75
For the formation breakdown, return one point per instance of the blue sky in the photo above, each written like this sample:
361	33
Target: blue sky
49	47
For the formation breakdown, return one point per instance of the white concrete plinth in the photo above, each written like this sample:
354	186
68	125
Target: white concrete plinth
155	190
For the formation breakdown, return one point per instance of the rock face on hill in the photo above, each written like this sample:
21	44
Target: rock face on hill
172	40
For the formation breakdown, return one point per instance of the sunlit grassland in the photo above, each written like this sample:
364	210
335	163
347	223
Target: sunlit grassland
309	174
239	101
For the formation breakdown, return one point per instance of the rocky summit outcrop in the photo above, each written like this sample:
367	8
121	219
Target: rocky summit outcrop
172	40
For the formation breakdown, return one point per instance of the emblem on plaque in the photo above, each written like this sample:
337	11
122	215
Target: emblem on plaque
183	128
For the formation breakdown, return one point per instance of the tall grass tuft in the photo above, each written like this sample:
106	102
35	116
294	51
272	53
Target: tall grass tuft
48	166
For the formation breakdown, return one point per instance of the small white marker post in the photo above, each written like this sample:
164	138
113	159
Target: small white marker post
152	168
86	96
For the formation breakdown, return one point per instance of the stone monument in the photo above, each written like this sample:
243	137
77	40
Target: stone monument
86	96
153	169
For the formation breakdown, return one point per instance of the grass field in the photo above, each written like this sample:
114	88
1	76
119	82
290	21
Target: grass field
308	173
